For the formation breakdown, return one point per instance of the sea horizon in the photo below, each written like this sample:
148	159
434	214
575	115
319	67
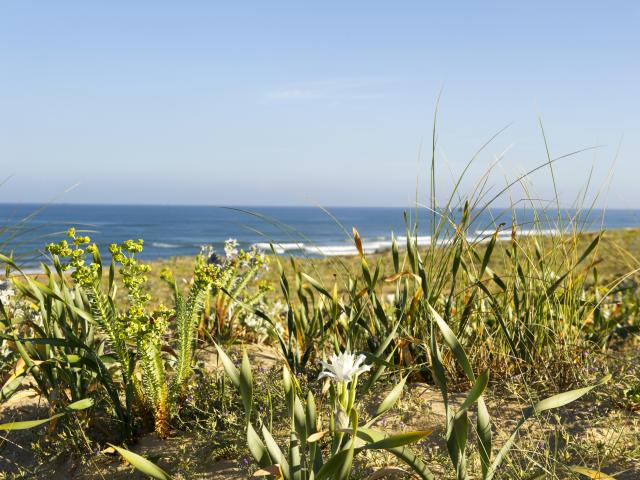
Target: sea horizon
421	206
181	230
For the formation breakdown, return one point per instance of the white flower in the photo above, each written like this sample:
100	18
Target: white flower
344	367
231	248
279	328
206	251
6	292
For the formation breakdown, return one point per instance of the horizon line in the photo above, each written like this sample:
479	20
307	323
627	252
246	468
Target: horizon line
319	206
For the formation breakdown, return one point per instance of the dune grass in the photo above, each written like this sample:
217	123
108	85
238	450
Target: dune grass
510	335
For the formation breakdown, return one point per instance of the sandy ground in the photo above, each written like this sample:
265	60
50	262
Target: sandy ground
421	408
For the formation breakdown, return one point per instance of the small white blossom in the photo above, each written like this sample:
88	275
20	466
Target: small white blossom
6	292
279	328
344	367
231	248
206	251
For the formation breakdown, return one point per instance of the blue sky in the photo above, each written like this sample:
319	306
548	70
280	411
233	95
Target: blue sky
289	103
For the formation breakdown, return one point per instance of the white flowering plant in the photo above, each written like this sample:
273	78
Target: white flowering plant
303	458
226	309
342	372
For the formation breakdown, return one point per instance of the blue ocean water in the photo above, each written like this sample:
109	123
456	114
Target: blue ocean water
181	230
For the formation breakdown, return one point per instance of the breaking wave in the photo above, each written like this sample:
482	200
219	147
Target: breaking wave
164	245
376	246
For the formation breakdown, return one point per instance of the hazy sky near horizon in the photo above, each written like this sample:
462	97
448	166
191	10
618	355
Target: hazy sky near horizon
294	103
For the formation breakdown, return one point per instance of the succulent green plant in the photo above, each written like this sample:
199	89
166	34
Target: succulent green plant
83	325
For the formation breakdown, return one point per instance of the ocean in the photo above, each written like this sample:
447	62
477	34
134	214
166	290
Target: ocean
180	230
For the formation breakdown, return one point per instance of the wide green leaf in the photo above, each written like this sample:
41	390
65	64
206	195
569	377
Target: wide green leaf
483	427
552	402
452	342
408	456
142	464
13	383
590	473
334	464
391	398
295	457
561	399
256	447
80	404
246	385
397	440
317	285
230	369
475	393
27	424
275	453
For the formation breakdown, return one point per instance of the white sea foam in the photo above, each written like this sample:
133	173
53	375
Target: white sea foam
422	241
545	232
30	271
381	245
279	247
376	246
504	232
332	250
488	233
346	250
164	245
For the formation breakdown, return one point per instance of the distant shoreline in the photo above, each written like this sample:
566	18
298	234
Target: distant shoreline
350	251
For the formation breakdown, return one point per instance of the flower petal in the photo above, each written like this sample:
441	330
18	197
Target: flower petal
326	374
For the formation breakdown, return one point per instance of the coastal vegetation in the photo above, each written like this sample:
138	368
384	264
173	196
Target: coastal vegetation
319	240
510	354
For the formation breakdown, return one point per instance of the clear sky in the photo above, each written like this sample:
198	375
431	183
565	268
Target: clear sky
266	103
